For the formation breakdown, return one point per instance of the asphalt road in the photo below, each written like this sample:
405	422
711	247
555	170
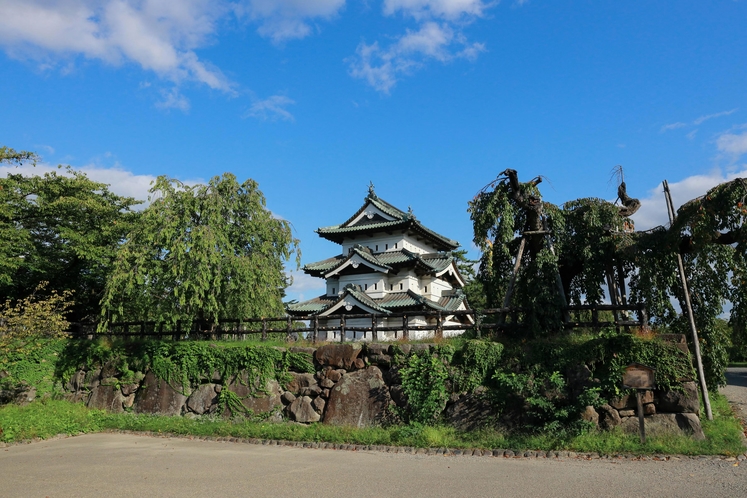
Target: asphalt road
112	465
736	390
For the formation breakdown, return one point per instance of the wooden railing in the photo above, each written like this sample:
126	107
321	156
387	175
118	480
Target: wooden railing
481	321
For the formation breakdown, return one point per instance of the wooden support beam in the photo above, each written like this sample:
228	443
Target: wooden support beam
689	310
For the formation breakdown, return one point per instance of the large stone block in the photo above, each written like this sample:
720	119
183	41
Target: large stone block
106	397
629	401
299	382
157	396
359	399
686	401
608	417
666	424
302	410
202	399
338	355
255	399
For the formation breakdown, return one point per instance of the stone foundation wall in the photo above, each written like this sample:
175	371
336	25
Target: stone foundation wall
355	385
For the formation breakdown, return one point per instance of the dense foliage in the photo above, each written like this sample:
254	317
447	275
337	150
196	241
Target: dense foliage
201	253
61	228
576	250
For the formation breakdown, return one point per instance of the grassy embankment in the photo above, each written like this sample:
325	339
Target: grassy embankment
48	418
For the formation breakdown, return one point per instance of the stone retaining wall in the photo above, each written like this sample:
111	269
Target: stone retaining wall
354	385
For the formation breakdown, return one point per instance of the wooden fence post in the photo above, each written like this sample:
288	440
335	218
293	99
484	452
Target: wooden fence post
264	328
316	330
342	328
374	326
439	326
405	328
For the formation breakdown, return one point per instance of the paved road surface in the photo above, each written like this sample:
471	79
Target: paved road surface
736	390
112	465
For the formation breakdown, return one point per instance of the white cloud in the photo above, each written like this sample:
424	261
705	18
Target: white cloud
159	35
702	119
282	20
172	99
304	286
381	68
272	108
731	143
697	121
120	181
447	9
653	211
673	126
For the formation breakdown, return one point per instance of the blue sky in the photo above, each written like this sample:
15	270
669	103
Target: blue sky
428	99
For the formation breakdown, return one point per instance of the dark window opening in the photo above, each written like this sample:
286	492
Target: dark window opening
400	286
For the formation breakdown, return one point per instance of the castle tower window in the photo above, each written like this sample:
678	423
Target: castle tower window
400	286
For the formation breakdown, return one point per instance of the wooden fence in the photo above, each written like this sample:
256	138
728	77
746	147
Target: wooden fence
481	321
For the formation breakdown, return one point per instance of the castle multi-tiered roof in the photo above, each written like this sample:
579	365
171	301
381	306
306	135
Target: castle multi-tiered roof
390	262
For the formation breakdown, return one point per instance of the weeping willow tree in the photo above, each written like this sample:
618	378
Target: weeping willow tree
573	252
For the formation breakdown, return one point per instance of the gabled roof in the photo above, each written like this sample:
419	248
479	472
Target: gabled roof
354	296
393	219
430	263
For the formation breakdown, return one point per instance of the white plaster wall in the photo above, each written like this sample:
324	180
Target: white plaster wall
333	287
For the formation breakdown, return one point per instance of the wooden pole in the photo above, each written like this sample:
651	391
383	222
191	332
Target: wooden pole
342	328
689	311
641	423
374	325
316	329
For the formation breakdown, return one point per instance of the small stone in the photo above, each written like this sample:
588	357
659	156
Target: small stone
318	405
334	375
627	413
325	393
327	383
288	397
508	453
498	453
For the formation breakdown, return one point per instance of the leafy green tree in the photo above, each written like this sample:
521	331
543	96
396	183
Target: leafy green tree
473	288
588	244
60	228
201	253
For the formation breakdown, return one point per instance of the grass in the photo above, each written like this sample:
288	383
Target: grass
741	364
48	418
